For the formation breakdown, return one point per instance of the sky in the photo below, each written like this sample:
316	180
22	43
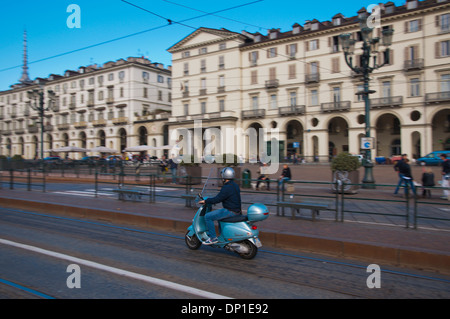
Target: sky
109	30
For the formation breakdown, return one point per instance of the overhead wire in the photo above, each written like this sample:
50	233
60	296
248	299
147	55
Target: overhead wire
170	22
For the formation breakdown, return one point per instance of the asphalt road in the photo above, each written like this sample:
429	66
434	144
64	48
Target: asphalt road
116	262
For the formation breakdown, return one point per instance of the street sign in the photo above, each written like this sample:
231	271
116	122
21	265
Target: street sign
367	143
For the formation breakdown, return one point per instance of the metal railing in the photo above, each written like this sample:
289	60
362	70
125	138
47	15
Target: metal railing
389	101
257	113
22	177
413	64
437	97
336	106
377	206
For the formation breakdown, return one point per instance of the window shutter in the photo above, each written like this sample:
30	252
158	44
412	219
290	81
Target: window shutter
272	73
292	73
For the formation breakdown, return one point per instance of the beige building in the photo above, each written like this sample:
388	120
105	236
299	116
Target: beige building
298	82
120	104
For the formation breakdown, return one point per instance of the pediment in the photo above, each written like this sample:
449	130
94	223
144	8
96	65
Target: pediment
201	37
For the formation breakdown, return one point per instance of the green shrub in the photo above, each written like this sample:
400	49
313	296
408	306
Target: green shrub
345	162
192	163
234	162
17	158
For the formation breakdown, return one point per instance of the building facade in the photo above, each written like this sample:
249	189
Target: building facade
120	104
298	83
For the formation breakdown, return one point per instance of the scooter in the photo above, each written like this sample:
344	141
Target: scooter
237	233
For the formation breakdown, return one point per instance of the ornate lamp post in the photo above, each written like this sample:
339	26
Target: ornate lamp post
368	64
36	98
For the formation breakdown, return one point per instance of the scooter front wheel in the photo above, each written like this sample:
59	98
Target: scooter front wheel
250	251
192	241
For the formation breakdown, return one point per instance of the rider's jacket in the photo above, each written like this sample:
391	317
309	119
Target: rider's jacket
229	196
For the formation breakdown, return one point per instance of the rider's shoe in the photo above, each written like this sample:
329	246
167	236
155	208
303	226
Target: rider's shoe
211	241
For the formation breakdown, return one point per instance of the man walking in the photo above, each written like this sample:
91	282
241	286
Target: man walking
445	175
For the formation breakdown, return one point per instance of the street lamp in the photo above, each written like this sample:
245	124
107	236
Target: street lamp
366	67
36	102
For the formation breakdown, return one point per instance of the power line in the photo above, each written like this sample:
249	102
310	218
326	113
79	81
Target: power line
171	22
213	14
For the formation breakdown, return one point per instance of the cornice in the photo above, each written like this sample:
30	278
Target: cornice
344	28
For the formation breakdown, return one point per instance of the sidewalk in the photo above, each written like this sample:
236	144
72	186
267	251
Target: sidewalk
399	246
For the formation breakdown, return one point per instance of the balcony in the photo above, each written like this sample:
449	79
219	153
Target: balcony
80	125
272	84
291	110
33	129
336	106
312	78
437	97
250	114
391	101
99	123
120	120
63	127
48	128
412	65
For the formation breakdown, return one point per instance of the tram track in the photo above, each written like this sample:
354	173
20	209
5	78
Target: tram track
315	270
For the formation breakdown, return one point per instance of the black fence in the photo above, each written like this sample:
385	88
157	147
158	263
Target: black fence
339	202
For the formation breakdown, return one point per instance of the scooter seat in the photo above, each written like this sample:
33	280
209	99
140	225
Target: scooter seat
235	219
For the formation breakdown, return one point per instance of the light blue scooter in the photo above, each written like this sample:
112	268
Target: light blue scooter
237	233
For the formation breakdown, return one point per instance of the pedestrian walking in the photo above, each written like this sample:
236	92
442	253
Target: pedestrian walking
408	180
164	167
445	176
173	169
397	166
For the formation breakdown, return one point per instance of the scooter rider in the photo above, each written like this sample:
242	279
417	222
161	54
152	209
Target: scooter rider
230	197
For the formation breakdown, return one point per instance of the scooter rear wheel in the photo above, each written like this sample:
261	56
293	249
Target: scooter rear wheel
192	241
251	252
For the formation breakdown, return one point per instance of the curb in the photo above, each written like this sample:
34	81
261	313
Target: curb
423	260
